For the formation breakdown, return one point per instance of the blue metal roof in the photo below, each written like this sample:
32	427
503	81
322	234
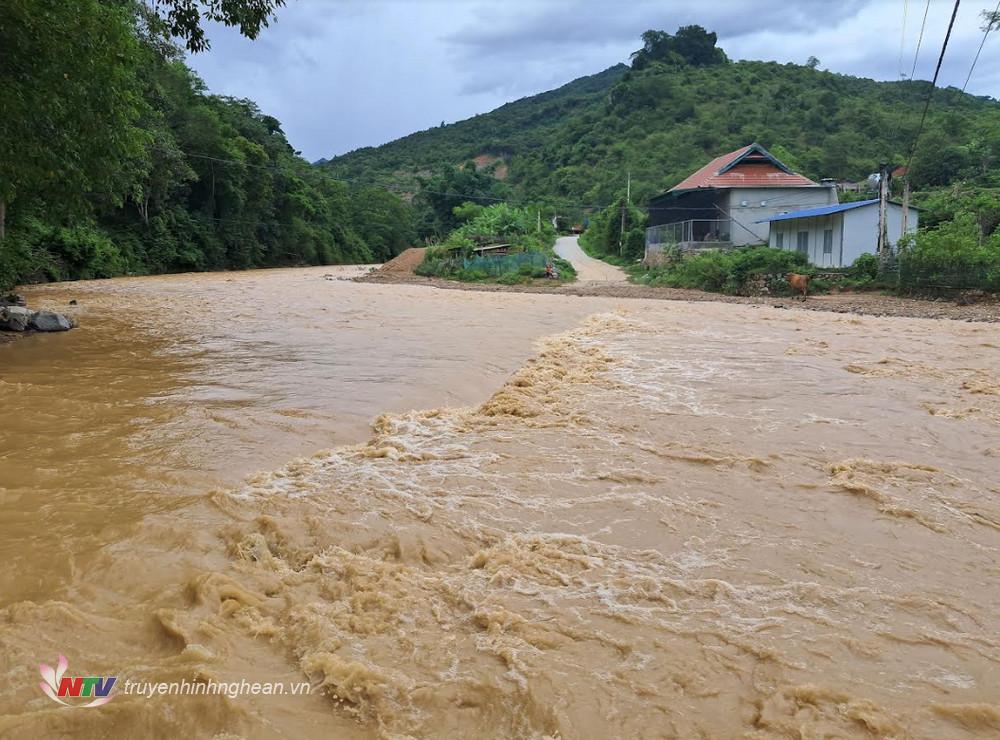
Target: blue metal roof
821	211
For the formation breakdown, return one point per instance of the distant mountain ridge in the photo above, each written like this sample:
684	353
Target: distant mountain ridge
501	132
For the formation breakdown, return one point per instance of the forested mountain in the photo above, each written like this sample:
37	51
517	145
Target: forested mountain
681	103
114	158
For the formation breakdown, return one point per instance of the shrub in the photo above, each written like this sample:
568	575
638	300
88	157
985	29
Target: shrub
86	252
952	256
865	266
601	239
514	278
567	272
726	271
517	226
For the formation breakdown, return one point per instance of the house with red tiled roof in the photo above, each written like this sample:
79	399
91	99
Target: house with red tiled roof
727	202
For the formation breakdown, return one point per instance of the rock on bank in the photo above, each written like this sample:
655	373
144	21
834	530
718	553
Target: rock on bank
19	319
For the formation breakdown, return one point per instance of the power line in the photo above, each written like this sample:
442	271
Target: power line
470	196
902	36
386	186
920	39
989	27
930	93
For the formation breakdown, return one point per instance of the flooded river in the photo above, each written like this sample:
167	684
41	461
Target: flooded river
461	514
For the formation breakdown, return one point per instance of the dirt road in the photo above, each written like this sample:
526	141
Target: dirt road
588	269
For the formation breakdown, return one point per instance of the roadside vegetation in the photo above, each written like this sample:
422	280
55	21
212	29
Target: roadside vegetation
947	259
528	254
752	270
605	238
954	256
718	271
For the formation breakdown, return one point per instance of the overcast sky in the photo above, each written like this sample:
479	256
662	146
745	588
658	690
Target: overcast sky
342	74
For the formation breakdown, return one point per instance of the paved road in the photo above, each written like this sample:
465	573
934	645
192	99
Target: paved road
588	270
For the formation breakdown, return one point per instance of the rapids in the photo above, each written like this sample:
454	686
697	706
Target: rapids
660	520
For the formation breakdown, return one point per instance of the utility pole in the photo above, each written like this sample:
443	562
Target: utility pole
539	221
883	200
906	204
625	205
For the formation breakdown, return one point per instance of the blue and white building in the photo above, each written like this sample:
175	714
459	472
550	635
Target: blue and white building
836	235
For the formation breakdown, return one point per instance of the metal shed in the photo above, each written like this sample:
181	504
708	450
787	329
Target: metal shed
836	235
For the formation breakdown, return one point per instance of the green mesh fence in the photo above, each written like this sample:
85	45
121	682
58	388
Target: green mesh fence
499	265
945	275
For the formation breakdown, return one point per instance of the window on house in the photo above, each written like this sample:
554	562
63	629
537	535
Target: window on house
780	240
828	241
803	242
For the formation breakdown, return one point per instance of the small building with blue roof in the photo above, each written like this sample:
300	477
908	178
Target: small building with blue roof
836	235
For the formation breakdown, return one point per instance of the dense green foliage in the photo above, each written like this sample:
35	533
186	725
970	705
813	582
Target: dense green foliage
951	256
530	243
115	160
71	100
606	239
443	195
500	224
690	45
724	271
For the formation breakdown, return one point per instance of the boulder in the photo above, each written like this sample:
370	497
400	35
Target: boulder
50	321
15	318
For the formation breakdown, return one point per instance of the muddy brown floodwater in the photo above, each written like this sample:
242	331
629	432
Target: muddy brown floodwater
570	517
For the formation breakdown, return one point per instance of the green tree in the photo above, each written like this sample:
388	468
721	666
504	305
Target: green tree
605	235
70	101
690	45
183	19
452	187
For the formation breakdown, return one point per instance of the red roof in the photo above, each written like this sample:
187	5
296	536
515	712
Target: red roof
748	167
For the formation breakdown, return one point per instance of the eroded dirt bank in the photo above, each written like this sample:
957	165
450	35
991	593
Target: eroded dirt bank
678	519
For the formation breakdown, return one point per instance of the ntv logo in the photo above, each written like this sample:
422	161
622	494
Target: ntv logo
55	685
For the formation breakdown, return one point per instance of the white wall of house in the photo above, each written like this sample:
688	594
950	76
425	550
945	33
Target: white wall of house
746	206
840	238
820	237
861	229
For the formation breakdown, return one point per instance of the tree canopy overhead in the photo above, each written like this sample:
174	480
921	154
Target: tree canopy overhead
70	99
185	19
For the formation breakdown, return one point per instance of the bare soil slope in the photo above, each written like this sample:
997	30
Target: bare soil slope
404	263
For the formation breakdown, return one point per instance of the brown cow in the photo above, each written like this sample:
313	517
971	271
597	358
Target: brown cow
799	283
